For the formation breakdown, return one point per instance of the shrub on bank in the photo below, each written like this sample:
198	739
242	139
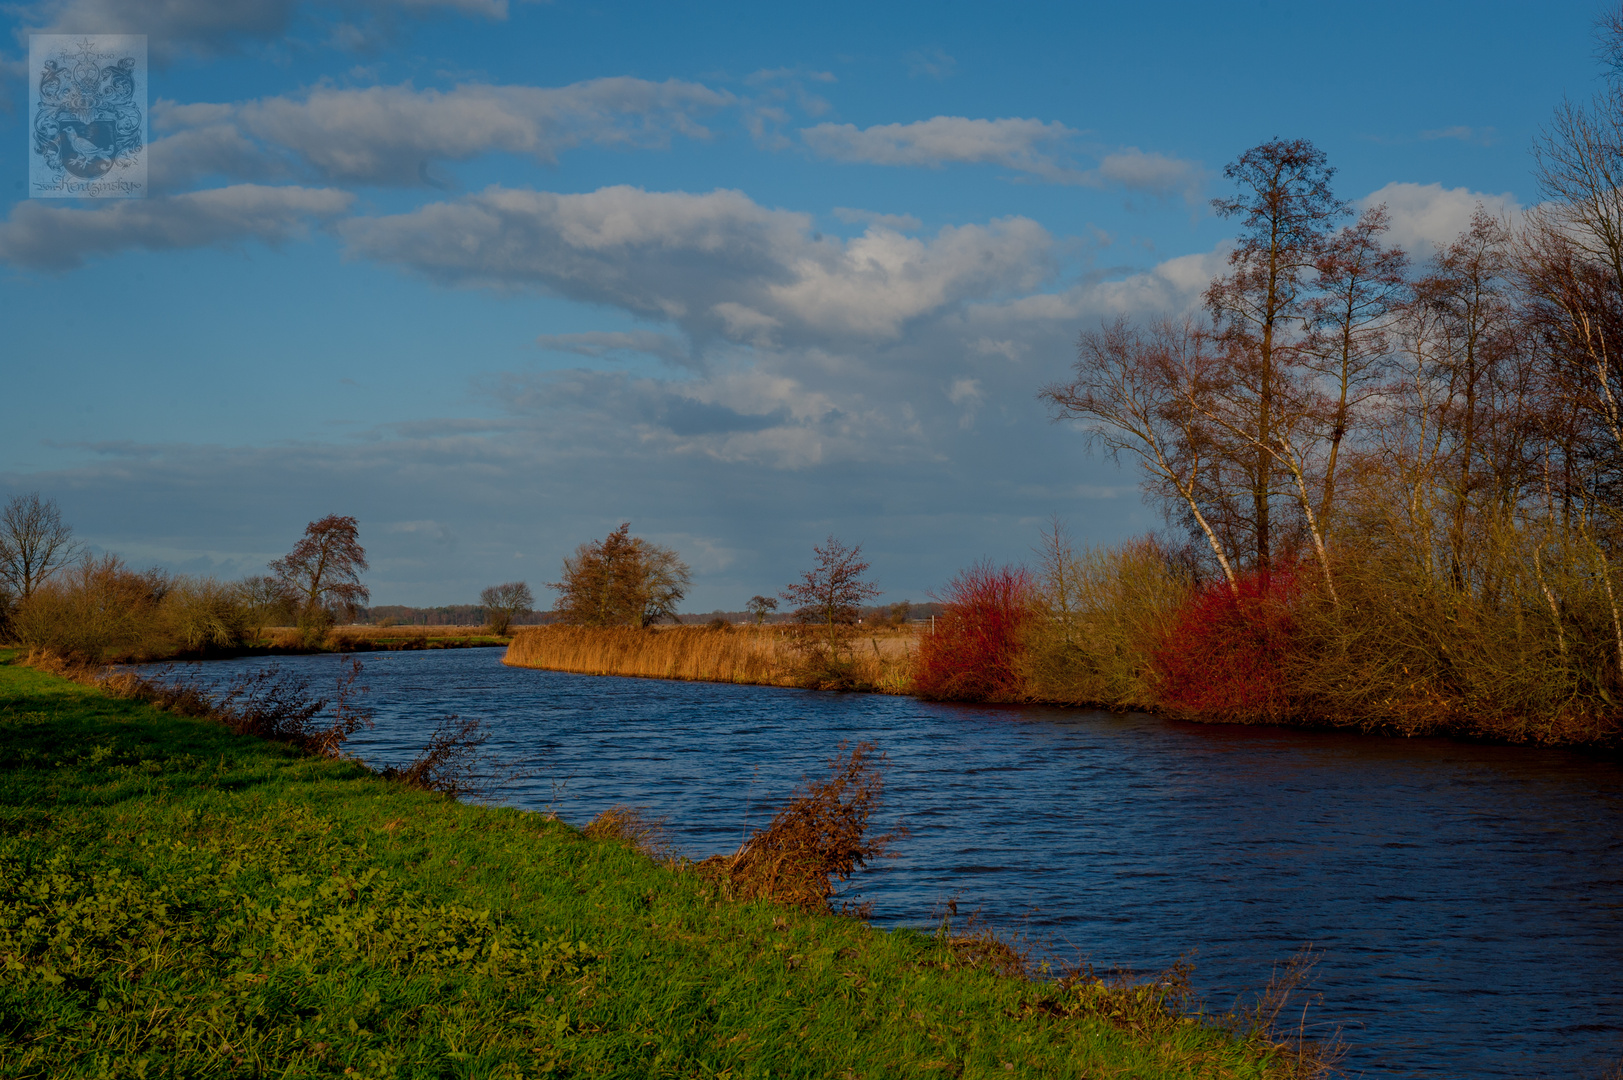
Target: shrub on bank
973	654
1101	616
1227	653
1522	644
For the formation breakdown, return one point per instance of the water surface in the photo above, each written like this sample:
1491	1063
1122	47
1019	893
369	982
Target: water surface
1466	898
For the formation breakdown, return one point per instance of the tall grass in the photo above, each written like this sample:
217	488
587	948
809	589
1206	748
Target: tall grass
757	655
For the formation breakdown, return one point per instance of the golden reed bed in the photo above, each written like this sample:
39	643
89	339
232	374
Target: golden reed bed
758	655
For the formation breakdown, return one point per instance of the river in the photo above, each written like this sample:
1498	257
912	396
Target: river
1468	900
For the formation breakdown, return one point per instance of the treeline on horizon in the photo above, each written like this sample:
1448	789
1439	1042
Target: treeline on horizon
58	598
1395	485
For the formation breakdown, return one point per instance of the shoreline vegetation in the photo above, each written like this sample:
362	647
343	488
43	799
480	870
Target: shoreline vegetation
182	899
880	661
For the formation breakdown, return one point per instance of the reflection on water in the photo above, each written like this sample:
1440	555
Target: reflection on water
1467	898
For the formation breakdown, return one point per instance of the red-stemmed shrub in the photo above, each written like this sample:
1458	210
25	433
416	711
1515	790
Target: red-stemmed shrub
1226	654
974	652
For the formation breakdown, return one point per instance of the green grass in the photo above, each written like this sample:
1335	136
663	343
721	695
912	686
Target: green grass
179	901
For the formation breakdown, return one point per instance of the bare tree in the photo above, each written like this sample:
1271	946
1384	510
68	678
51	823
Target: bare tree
1480	360
34	543
1143	392
323	572
1362	287
504	603
831	593
1286	209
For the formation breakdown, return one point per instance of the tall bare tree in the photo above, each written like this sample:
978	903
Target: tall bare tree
1362	286
1286	209
34	543
1479	356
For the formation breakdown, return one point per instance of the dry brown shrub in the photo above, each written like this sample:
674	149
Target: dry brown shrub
631	825
820	838
979	946
97	609
450	763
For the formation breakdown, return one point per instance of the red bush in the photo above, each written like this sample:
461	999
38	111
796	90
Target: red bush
1225	654
974	652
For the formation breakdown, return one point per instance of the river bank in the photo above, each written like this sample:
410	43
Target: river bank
878	659
181	901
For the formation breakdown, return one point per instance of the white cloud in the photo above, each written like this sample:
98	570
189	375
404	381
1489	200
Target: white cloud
1012	142
388	134
53	237
1153	174
718	264
1426	217
1034	147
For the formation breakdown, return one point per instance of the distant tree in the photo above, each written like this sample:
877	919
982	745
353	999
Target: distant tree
761	607
504	603
621	580
323	573
899	612
830	594
34	543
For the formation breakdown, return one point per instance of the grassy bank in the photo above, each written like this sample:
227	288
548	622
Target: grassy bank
758	655
179	901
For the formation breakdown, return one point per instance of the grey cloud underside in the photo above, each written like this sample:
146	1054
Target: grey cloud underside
213	26
388	134
49	236
717	265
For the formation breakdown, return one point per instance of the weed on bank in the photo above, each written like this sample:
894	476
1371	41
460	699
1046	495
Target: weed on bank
177	900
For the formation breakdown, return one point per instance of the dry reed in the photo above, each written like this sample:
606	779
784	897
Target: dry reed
755	655
819	838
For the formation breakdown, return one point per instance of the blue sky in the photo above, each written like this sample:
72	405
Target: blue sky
494	275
